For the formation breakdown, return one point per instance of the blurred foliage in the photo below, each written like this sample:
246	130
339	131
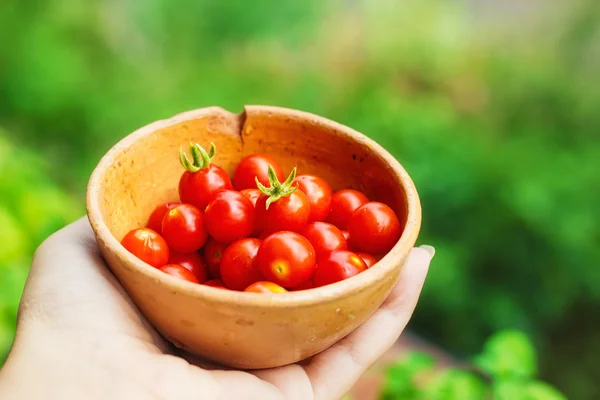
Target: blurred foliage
492	108
501	375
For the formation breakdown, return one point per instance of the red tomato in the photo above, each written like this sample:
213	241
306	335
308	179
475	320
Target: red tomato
180	272
368	259
324	238
306	285
318	193
229	216
346	235
183	228
202	180
337	266
216	283
286	258
155	220
286	214
251	194
192	262
238	269
255	166
147	245
374	228
213	252
343	204
265	287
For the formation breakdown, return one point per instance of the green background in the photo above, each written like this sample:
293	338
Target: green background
494	109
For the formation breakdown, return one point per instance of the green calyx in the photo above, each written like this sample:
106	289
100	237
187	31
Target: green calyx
200	158
277	189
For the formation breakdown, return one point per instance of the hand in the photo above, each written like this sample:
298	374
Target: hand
80	336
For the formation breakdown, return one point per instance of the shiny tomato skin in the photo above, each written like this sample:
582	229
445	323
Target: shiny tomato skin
343	204
324	238
251	194
199	188
184	229
369	259
286	258
255	165
192	262
374	228
155	220
318	192
238	269
216	283
147	245
229	216
265	287
304	286
180	272
346	235
289	213
337	266
213	253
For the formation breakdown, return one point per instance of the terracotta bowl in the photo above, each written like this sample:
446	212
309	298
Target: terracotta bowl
247	330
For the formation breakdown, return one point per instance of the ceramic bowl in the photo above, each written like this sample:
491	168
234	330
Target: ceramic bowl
237	329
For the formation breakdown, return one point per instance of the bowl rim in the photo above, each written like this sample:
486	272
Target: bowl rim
322	294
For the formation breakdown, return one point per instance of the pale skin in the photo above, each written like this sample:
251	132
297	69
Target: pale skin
79	336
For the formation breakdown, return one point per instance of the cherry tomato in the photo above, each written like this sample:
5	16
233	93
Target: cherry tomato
346	235
202	180
255	166
324	238
286	214
251	194
213	252
216	283
192	262
180	272
318	193
286	258
238	269
368	259
374	228
155	220
337	266
343	204
183	228
265	287
306	285
229	216
148	246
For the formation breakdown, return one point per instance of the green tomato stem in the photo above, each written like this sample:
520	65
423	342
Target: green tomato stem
277	190
200	158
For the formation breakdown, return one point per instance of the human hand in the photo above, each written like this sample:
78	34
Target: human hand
80	336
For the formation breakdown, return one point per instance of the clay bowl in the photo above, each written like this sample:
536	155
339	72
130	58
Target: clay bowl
247	330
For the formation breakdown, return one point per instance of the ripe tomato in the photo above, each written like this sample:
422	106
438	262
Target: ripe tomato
346	235
238	269
368	259
201	180
213	252
192	262
252	167
306	285
147	245
265	287
318	193
343	204
216	283
374	228
183	228
324	238
286	258
180	272
251	194
337	266
155	220
229	216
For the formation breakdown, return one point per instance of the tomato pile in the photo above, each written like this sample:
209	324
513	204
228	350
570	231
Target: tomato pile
260	233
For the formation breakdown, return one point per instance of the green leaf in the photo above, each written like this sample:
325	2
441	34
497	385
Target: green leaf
542	391
455	384
508	353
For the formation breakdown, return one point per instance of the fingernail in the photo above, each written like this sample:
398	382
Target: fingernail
429	249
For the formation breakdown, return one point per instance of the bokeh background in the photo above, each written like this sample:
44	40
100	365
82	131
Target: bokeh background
493	107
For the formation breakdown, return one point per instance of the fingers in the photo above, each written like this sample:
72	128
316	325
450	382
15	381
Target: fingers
334	371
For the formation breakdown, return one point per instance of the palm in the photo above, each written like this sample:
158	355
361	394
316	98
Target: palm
71	289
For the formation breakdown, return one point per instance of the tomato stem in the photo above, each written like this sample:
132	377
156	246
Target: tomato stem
277	189
200	158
